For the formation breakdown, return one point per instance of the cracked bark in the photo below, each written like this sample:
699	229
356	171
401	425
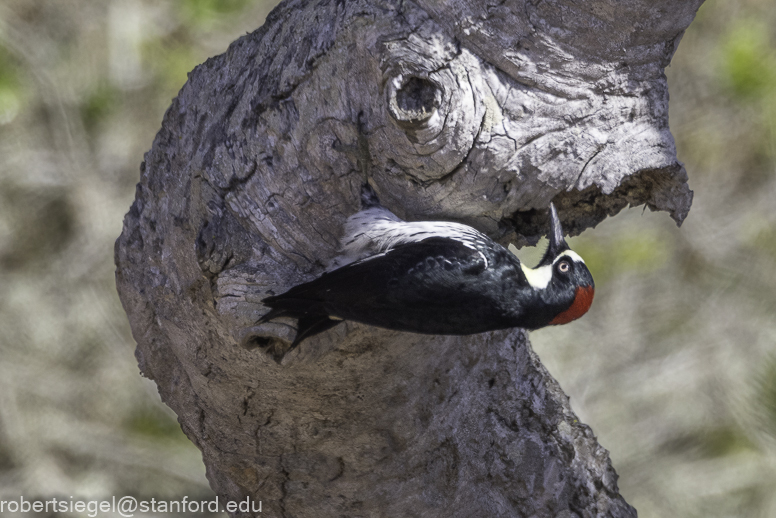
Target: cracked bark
473	113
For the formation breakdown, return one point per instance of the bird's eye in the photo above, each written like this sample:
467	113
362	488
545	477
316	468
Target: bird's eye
563	266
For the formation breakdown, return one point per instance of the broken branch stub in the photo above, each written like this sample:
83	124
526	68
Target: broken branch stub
474	113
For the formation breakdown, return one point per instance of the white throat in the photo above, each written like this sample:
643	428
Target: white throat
538	278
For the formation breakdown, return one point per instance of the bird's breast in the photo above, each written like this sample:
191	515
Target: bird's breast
583	299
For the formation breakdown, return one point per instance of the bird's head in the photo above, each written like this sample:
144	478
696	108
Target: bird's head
561	280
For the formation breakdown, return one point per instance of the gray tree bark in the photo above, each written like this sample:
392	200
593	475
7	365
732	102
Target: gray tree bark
474	112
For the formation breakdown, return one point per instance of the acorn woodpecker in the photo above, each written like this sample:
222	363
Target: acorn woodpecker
435	277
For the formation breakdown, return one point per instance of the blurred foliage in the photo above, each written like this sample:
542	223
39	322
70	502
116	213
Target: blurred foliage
640	252
765	399
154	424
709	443
673	367
99	105
202	12
749	59
171	63
41	223
10	88
748	70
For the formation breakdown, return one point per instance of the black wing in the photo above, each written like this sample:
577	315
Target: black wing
437	285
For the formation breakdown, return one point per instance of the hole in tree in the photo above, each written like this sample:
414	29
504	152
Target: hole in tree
274	347
418	98
257	341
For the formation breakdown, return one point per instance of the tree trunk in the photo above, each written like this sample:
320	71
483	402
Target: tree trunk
471	112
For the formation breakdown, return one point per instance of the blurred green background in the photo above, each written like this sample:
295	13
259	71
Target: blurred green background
674	367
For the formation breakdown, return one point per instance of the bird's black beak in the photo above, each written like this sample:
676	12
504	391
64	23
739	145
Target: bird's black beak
557	243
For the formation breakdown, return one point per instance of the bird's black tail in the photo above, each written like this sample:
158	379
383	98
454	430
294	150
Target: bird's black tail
311	319
311	325
274	313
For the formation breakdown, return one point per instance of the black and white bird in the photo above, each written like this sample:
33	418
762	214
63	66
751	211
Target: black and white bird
435	277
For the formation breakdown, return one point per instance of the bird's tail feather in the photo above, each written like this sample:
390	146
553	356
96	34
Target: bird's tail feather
311	319
311	325
293	304
273	314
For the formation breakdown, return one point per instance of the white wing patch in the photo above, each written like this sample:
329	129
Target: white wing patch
376	230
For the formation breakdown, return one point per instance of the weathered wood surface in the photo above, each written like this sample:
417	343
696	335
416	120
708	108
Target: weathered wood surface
472	112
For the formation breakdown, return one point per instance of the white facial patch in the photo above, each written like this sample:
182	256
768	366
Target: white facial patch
538	278
571	254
